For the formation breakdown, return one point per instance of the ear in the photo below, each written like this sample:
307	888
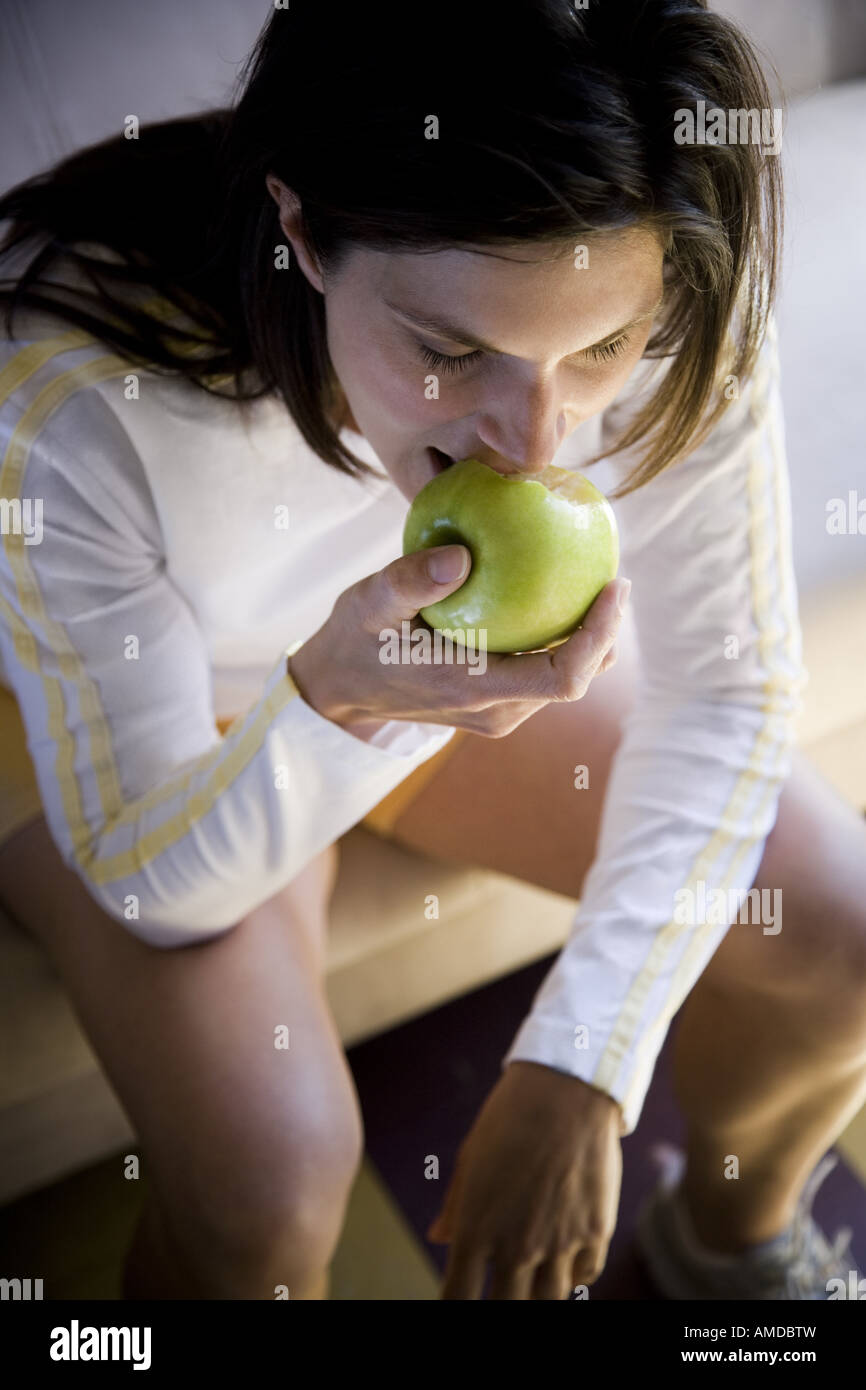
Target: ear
276	188
292	224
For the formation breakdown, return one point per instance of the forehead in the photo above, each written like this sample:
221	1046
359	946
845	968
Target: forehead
523	262
529	288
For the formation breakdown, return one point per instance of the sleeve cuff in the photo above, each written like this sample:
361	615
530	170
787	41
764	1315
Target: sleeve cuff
552	1044
402	738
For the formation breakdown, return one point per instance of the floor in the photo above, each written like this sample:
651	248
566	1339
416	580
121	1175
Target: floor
420	1087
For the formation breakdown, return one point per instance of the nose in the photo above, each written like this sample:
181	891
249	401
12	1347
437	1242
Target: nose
524	439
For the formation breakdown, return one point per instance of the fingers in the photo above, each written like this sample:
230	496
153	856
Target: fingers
413	581
553	1278
464	1276
588	1263
489	694
436	1231
514	1282
514	687
585	652
440	1228
609	660
566	672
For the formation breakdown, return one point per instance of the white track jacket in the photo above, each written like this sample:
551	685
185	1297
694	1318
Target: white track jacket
167	557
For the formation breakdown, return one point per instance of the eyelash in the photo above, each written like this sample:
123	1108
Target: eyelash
458	364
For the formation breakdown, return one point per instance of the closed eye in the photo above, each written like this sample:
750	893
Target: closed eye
603	353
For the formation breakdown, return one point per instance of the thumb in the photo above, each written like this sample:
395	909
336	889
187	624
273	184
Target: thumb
441	1229
436	1229
416	580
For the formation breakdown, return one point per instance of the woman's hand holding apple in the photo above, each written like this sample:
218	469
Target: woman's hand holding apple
339	670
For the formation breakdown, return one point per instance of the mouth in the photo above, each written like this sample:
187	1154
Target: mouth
440	459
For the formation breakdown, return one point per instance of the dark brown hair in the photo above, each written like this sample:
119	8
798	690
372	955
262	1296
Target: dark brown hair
555	123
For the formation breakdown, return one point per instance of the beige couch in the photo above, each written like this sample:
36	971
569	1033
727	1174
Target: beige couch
387	963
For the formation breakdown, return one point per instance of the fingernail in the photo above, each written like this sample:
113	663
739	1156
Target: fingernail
622	595
446	565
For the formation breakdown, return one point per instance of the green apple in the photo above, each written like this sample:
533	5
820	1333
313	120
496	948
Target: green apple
542	550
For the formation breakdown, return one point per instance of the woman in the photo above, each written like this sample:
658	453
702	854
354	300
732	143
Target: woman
476	238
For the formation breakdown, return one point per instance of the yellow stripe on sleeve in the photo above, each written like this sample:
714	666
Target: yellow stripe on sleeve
668	936
243	743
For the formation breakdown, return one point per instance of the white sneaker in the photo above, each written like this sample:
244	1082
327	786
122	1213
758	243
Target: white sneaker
797	1264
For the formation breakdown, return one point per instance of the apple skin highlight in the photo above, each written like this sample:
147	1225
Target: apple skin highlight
542	550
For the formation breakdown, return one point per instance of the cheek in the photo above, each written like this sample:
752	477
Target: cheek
355	349
400	386
617	376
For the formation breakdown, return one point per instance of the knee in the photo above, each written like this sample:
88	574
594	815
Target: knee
270	1182
272	1220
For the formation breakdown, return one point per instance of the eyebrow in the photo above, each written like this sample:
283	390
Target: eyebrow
461	335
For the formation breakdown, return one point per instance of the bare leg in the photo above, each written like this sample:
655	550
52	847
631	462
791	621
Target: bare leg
770	1053
154	1265
249	1152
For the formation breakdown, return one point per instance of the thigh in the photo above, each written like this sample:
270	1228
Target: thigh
227	1121
512	804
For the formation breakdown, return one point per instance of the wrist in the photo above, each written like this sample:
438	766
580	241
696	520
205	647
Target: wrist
311	681
584	1092
304	671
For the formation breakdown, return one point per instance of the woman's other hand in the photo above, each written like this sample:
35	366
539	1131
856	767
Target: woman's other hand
536	1188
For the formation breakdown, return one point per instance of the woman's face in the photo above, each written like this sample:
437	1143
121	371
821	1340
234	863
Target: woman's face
562	336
